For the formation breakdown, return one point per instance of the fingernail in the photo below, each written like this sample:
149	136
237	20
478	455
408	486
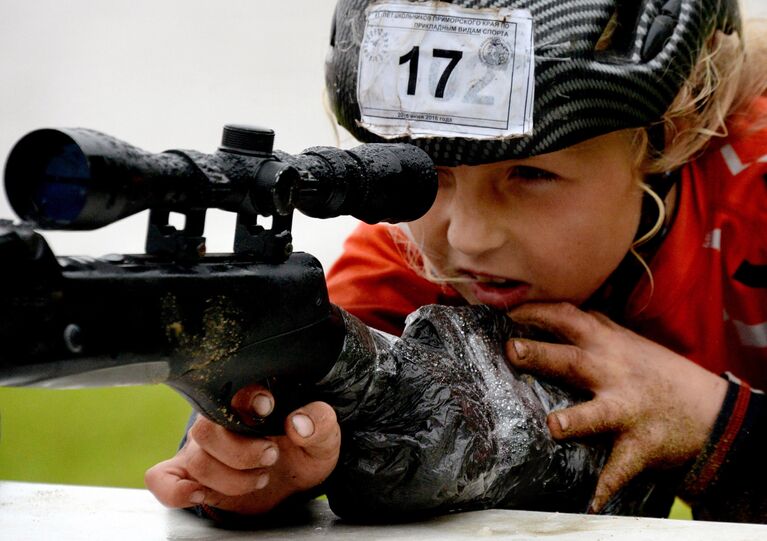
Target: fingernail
262	405
564	422
262	481
197	497
303	425
520	348
269	457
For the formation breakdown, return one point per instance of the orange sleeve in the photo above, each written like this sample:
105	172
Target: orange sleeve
373	281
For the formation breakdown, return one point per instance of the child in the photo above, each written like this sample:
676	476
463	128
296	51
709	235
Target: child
635	191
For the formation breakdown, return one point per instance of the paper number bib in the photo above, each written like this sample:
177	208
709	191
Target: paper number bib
435	69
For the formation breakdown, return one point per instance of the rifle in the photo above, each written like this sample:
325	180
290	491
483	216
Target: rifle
204	324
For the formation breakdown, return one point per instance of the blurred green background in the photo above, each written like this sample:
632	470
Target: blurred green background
88	436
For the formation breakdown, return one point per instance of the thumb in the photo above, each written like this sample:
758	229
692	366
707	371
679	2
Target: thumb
171	485
314	428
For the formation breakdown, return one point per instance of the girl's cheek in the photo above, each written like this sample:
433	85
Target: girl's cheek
426	229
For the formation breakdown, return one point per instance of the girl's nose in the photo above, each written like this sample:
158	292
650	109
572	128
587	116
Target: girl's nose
476	220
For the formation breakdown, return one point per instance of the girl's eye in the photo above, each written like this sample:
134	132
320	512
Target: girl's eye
525	172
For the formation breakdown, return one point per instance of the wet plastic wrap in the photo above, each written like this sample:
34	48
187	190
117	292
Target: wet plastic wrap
436	421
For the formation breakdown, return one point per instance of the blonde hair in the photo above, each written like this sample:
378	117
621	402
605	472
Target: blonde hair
729	75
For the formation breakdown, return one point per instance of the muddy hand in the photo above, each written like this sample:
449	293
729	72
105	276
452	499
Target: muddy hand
658	406
249	475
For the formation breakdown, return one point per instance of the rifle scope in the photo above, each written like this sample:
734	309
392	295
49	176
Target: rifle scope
76	178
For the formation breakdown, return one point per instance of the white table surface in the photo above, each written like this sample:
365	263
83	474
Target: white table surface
62	512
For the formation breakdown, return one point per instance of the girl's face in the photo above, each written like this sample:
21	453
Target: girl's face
547	228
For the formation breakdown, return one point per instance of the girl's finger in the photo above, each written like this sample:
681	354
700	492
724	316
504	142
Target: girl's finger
315	429
234	450
621	467
171	485
562	319
559	361
220	477
587	419
253	400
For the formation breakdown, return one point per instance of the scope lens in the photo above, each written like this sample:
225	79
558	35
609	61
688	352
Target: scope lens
47	179
60	194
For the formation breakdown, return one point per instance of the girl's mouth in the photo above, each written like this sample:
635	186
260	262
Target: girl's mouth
498	292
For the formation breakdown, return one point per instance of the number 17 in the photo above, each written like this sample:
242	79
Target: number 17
412	57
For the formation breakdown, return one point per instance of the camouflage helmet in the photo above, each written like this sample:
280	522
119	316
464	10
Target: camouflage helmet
581	90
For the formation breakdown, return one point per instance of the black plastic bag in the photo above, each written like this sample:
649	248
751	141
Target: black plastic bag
436	421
